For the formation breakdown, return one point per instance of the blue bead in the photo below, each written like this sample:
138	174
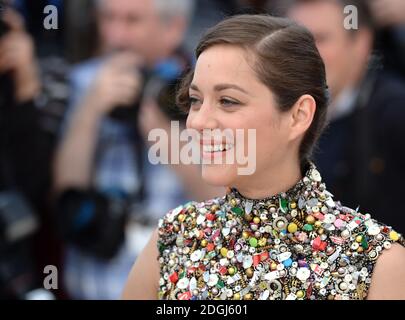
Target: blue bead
287	263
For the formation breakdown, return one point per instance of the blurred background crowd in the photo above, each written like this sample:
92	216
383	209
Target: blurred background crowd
77	102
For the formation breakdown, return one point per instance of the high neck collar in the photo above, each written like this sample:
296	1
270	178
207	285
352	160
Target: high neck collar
308	186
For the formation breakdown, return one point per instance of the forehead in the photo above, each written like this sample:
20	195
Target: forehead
319	16
127	6
225	63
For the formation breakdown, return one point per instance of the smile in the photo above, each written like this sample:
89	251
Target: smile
209	148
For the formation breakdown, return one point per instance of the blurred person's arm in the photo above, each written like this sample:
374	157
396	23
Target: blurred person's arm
116	84
152	117
143	280
17	56
23	138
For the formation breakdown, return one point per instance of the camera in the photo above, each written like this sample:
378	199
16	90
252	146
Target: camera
159	84
18	223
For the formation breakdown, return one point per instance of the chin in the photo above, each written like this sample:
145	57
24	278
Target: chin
219	175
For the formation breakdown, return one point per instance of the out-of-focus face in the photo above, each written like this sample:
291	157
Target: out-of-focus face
225	93
130	25
325	19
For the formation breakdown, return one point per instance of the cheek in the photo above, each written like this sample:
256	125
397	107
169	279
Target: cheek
328	53
271	136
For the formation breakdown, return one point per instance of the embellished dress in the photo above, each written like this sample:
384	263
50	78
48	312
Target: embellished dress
296	245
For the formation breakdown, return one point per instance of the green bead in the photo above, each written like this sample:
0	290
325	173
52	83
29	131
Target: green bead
283	205
364	243
220	284
308	227
162	247
237	211
253	242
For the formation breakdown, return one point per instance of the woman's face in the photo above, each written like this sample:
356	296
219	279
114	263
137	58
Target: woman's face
225	93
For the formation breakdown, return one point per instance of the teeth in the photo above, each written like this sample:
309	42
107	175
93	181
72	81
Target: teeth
217	147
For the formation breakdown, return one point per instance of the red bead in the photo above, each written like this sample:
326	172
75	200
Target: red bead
256	259
264	256
210	246
318	244
223	270
210	216
309	291
318	216
174	277
191	270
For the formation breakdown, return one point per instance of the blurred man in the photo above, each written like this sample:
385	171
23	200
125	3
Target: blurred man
362	150
102	173
390	20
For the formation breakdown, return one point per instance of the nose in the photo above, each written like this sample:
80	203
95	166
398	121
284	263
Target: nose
118	35
203	118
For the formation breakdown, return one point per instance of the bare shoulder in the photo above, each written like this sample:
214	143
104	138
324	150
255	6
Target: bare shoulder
143	280
388	280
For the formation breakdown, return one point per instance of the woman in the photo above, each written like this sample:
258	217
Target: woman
277	234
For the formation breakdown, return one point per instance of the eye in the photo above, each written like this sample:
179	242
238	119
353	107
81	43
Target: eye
194	102
225	102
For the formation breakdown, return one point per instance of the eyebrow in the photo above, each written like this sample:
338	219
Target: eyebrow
220	87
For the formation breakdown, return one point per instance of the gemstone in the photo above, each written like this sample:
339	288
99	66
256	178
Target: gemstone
253	242
364	243
247	261
394	236
213	280
248	207
303	274
238	211
174	277
283	205
224	252
292	228
226	231
183	283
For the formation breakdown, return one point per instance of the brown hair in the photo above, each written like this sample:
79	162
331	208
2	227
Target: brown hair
286	60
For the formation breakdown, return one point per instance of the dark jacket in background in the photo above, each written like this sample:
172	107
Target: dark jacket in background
362	155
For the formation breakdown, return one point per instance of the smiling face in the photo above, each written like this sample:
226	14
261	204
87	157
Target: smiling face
225	93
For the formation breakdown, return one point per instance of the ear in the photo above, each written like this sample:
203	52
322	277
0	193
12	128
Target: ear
302	115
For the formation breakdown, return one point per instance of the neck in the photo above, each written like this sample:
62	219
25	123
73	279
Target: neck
277	180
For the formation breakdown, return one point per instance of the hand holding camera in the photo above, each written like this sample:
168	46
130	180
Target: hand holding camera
17	57
118	84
